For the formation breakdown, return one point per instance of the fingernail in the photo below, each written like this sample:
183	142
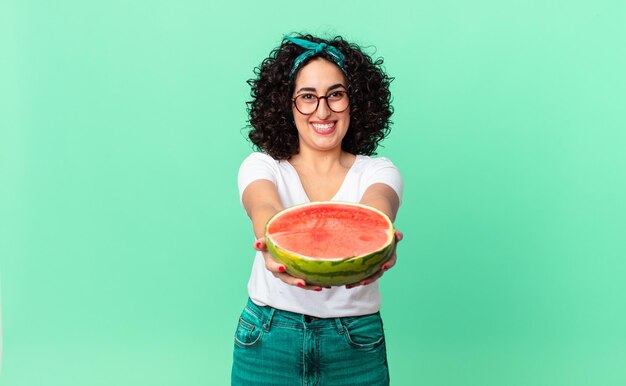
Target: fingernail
385	267
257	244
300	284
317	289
365	282
281	269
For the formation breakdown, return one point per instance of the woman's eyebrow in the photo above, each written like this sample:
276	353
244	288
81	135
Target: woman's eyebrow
306	89
333	87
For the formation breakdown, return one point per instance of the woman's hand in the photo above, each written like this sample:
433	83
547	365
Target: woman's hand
385	267
278	270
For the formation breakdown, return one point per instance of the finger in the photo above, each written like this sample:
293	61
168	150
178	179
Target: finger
367	280
389	263
260	245
279	271
385	267
291	280
399	235
272	265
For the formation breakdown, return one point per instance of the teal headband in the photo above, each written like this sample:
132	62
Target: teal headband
314	49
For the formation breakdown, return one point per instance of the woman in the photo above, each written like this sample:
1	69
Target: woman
319	110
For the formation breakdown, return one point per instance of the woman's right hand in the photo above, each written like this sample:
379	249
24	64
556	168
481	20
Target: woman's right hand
278	269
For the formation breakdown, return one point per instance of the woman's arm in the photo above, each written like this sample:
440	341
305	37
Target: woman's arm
261	201
383	198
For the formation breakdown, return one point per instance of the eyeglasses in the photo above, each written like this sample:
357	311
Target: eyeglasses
337	101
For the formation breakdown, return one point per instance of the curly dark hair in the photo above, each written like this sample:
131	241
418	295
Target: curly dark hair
272	128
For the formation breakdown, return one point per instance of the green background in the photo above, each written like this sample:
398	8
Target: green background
124	251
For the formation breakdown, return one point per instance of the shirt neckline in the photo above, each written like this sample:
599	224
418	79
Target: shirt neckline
343	183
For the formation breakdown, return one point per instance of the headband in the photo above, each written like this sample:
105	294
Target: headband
313	48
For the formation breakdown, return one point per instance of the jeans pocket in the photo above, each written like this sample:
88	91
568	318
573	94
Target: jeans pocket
249	330
364	332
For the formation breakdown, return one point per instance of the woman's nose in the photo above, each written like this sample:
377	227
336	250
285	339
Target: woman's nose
323	111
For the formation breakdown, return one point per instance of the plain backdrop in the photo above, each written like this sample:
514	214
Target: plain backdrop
125	253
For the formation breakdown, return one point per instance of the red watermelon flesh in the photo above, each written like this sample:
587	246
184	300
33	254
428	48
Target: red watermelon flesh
330	231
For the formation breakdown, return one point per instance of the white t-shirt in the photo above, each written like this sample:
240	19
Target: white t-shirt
264	288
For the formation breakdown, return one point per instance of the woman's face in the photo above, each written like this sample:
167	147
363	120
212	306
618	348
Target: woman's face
323	129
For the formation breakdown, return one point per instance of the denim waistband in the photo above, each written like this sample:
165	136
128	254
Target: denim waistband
275	317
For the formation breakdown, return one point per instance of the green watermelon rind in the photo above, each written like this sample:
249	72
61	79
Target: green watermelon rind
331	272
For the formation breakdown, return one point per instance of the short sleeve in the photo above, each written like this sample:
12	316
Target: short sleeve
382	170
257	166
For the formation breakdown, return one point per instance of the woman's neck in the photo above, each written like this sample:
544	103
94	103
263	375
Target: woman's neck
322	161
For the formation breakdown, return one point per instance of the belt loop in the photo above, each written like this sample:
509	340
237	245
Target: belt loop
267	323
339	325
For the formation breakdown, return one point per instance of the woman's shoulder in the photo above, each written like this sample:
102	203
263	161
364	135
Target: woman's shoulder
380	170
258	162
369	161
260	156
257	166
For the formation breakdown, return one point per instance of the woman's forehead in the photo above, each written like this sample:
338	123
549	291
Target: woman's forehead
319	74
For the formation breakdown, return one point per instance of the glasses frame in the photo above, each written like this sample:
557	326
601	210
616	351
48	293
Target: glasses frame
318	102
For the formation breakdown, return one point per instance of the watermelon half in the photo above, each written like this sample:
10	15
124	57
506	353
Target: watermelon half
330	243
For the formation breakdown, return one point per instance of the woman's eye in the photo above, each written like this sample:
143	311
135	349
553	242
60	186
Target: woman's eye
308	97
336	95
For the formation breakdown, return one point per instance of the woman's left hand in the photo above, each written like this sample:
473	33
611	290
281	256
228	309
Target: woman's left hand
385	267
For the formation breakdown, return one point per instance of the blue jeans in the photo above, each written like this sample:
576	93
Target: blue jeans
275	347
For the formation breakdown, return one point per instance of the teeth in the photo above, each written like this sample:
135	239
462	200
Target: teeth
323	126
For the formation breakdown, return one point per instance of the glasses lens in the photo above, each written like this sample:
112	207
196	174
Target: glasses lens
306	103
337	101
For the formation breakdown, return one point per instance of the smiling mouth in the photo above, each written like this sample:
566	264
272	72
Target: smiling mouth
324	128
